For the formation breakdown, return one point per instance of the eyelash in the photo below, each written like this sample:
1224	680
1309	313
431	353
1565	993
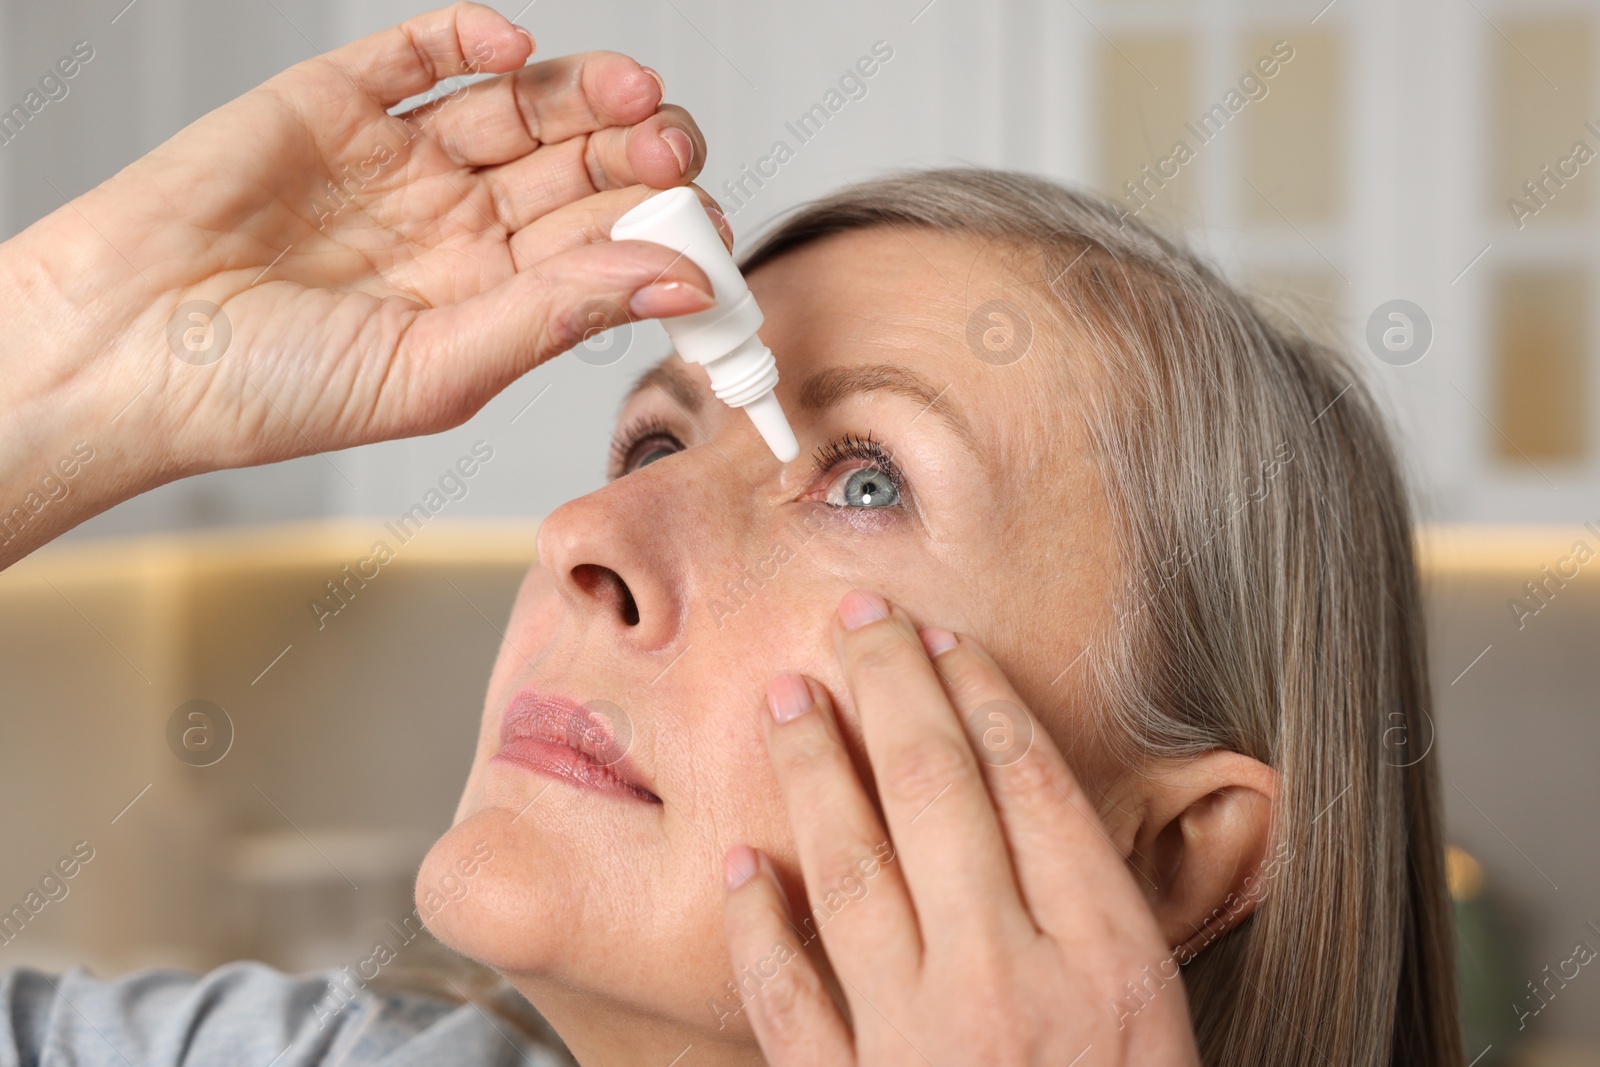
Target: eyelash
827	457
636	433
865	448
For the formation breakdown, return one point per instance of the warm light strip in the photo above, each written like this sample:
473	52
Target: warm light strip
1457	549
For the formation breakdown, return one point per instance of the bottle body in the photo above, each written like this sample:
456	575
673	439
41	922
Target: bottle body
722	338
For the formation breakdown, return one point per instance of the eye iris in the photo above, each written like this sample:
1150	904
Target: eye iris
870	487
652	454
649	449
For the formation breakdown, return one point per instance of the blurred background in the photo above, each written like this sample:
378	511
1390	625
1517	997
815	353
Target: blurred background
1426	159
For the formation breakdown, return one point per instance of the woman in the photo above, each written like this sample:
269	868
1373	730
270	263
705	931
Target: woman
1038	716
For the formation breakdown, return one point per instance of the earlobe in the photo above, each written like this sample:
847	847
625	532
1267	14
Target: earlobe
1201	842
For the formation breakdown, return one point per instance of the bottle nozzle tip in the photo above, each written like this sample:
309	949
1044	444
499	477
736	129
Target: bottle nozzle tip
773	425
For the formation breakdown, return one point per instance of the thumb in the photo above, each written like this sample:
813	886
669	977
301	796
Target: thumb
455	358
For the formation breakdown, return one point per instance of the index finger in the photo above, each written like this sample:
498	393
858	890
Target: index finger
941	819
527	189
413	57
1062	853
501	120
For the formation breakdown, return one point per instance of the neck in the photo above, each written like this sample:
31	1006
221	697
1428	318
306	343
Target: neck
600	1032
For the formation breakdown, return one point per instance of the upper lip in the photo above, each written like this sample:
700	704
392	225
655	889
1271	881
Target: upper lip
589	731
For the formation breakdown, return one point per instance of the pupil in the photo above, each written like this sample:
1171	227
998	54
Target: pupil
869	487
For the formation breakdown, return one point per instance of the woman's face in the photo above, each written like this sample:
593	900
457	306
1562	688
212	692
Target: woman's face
956	486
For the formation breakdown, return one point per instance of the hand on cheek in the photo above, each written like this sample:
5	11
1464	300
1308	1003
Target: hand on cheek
1042	937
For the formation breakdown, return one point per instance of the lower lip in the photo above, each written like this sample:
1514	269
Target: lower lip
569	765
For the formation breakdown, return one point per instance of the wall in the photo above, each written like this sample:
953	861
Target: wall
1372	170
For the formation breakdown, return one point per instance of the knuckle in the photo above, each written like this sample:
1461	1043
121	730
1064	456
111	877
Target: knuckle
1010	1047
997	1026
783	1000
1003	1045
878	648
919	772
971	680
430	407
988	960
1033	776
804	750
842	877
571	328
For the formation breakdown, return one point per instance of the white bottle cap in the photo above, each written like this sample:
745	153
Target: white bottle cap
723	338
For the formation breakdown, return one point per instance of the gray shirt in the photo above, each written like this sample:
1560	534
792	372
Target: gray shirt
244	1015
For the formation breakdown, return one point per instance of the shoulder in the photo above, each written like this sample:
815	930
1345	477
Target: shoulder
244	1013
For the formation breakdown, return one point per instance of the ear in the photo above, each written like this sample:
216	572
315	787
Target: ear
1195	833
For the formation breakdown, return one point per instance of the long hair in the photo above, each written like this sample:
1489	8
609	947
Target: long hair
1270	606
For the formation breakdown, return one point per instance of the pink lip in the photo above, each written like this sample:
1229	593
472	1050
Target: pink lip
557	737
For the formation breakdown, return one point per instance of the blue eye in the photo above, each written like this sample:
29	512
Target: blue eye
869	487
641	444
872	480
644	456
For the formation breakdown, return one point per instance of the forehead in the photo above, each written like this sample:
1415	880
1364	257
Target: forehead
969	314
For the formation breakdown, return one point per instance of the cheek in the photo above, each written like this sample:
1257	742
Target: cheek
715	752
741	638
723	785
534	617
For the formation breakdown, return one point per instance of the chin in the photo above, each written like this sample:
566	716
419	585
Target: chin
556	902
478	893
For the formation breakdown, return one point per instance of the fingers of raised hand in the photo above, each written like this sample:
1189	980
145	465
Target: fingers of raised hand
1013	824
937	805
1060	850
972	790
449	360
562	174
413	57
501	120
780	990
589	221
858	903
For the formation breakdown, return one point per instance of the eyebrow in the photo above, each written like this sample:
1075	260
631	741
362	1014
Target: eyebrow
828	387
671	378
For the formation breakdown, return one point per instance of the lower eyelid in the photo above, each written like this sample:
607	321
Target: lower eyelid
865	520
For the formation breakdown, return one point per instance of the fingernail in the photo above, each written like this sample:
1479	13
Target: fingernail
665	299
659	80
860	607
681	146
739	866
936	639
529	36
788	697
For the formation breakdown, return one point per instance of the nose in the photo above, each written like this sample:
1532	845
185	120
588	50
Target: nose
600	557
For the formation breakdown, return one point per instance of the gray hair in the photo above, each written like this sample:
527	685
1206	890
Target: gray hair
1270	607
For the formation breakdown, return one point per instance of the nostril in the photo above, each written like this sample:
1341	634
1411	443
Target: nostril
606	585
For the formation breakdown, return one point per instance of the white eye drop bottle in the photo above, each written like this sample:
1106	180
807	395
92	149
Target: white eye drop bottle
723	338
